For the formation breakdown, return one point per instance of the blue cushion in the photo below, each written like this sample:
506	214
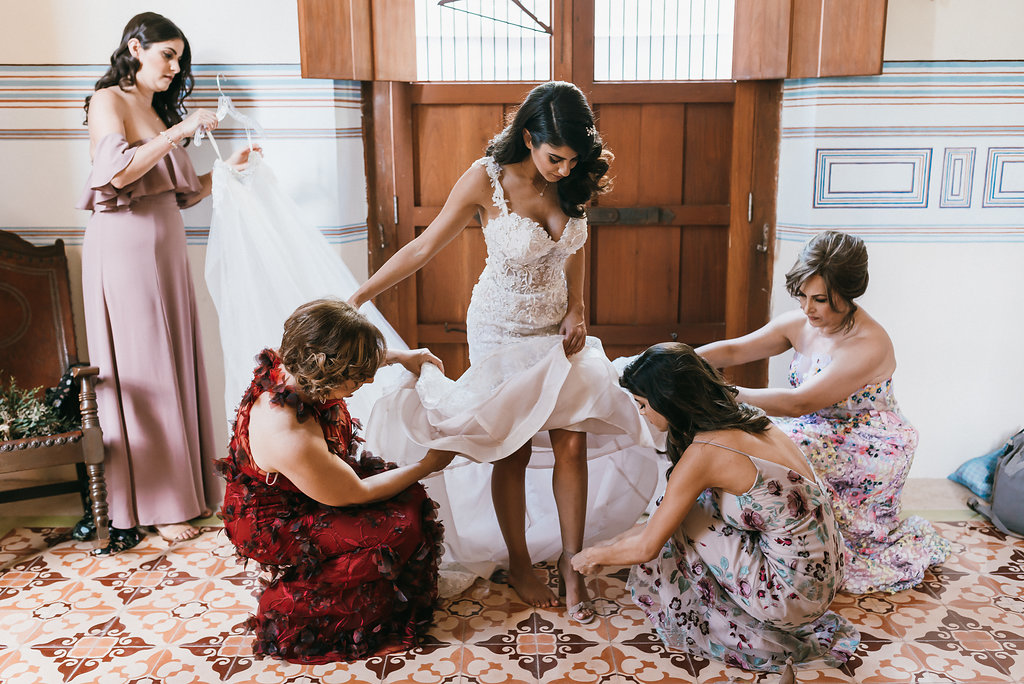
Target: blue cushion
977	473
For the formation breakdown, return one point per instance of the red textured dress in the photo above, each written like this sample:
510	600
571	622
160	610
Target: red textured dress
345	582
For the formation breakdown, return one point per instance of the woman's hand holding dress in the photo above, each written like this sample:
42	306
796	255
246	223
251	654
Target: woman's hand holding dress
413	359
573	331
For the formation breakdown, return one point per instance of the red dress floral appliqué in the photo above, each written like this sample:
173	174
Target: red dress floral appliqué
344	583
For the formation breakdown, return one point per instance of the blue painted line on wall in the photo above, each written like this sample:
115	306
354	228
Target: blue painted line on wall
788	232
194	235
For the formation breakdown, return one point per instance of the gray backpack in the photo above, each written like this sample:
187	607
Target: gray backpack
1007	509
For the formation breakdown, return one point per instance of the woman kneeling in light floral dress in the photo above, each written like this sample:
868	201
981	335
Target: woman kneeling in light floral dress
743	555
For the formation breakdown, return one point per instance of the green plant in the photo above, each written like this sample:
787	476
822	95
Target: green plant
23	414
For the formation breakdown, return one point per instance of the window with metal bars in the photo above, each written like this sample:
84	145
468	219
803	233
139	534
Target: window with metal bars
483	40
634	40
663	40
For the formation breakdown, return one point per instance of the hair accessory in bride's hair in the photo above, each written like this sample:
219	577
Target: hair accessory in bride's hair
591	131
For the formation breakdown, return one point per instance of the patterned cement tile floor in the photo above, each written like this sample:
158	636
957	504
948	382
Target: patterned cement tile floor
172	615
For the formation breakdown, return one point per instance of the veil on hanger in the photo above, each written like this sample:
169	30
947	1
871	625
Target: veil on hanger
263	259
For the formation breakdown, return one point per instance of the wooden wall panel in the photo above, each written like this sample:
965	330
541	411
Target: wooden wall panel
448	138
634	275
708	154
635	269
662	128
805	49
704	249
855	31
755	168
631	132
361	40
394	40
618	125
335	39
702	288
760	47
807	38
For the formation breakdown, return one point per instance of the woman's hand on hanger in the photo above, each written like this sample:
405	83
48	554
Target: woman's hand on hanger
191	123
240	159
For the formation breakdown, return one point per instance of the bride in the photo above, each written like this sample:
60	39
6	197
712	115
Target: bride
532	367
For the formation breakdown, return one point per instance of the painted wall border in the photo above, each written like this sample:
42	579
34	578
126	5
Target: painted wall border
957	177
829	160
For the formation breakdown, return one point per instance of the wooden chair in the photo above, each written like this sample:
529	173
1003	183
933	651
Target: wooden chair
37	344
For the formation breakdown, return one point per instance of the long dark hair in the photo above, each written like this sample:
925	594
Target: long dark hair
841	260
557	113
693	396
149	28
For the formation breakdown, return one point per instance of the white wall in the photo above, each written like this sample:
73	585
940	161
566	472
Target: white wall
52	52
920	30
945	239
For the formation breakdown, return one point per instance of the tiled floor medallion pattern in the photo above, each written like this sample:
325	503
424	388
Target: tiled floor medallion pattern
161	614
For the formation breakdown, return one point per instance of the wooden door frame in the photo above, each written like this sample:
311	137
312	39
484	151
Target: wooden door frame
750	214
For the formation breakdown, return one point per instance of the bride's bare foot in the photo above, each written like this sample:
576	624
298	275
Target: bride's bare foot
530	588
579	607
177	532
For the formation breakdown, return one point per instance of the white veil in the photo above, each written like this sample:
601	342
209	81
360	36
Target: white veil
262	261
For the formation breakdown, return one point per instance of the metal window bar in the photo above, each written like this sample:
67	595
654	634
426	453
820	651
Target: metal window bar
670	40
483	40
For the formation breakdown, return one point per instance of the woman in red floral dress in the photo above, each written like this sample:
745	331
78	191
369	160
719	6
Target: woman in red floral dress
351	543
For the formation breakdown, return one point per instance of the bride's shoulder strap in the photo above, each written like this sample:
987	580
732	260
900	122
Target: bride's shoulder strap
494	173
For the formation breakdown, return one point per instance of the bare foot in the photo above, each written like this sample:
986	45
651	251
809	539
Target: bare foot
530	589
177	532
577	599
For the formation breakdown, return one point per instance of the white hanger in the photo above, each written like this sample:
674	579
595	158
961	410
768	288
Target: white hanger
226	108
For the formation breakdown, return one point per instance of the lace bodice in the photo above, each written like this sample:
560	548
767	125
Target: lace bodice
522	289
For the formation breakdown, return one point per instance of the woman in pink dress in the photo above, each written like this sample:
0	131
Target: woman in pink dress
140	310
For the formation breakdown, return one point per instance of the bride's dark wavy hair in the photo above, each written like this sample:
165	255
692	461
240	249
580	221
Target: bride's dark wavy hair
690	393
557	113
149	28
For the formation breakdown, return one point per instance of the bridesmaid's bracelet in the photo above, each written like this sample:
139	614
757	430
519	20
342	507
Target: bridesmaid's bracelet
166	137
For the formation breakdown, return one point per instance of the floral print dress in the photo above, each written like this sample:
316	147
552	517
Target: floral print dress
748	579
862	449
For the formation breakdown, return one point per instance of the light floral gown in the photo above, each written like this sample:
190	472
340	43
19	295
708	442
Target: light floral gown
862	449
748	579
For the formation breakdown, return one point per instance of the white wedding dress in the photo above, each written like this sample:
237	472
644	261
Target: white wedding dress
520	385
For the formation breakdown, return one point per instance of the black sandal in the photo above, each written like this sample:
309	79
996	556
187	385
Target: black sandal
84	529
120	539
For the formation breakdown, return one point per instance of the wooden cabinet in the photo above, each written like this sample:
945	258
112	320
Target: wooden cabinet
358	40
807	38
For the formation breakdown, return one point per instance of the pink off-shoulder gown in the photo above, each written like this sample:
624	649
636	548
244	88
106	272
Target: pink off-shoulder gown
143	334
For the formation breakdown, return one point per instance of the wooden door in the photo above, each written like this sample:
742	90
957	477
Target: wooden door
679	249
